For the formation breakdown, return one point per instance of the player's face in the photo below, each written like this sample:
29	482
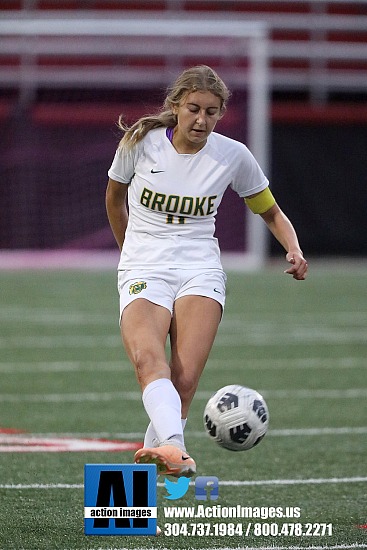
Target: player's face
197	116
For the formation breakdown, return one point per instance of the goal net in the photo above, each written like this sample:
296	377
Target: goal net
67	78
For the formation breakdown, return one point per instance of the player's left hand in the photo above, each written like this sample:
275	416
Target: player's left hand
299	266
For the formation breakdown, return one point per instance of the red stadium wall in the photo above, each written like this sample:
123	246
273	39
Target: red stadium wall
53	178
53	168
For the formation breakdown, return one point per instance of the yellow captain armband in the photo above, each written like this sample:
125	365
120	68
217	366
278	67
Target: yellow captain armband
262	202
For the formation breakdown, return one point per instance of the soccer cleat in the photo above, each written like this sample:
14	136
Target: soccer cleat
170	460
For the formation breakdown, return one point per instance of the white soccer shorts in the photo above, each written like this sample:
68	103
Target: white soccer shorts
164	287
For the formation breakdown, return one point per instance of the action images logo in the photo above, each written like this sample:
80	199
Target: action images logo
120	499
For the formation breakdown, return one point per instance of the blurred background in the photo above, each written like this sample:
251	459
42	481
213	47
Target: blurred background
298	75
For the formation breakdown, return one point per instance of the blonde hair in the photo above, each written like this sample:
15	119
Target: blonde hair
196	79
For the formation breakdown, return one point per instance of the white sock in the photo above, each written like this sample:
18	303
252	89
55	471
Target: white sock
163	406
151	438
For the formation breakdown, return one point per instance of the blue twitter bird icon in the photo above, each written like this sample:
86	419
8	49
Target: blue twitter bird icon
177	489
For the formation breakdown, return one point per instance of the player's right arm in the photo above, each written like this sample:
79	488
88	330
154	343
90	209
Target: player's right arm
117	213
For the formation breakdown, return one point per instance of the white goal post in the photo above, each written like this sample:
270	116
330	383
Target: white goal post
144	34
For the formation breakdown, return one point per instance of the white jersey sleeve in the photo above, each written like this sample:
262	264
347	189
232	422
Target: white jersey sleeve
124	163
247	178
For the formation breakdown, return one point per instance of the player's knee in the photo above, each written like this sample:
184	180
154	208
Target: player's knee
144	360
148	366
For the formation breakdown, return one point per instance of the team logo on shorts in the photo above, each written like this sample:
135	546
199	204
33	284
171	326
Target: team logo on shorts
135	288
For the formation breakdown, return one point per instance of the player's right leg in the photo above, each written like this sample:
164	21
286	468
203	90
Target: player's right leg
144	329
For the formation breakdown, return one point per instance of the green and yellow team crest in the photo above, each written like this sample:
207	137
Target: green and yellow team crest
135	288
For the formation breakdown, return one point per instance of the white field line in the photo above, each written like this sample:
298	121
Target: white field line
318	431
349	393
235	320
301	432
60	341
302	335
230	483
336	547
49	317
26	443
344	362
311	481
64	366
231	321
355	546
70	397
260	336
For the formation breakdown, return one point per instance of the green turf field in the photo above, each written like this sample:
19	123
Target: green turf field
64	374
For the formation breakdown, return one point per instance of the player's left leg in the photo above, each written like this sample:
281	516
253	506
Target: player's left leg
193	329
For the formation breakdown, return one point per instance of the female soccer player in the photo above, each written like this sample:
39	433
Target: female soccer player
174	170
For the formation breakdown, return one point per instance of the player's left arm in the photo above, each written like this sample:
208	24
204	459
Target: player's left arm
263	203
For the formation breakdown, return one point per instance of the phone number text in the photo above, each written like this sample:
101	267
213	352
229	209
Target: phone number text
248	529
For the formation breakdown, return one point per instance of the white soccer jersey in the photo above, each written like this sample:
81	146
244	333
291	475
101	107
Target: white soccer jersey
173	198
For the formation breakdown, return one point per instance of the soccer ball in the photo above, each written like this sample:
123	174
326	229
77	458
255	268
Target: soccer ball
236	417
